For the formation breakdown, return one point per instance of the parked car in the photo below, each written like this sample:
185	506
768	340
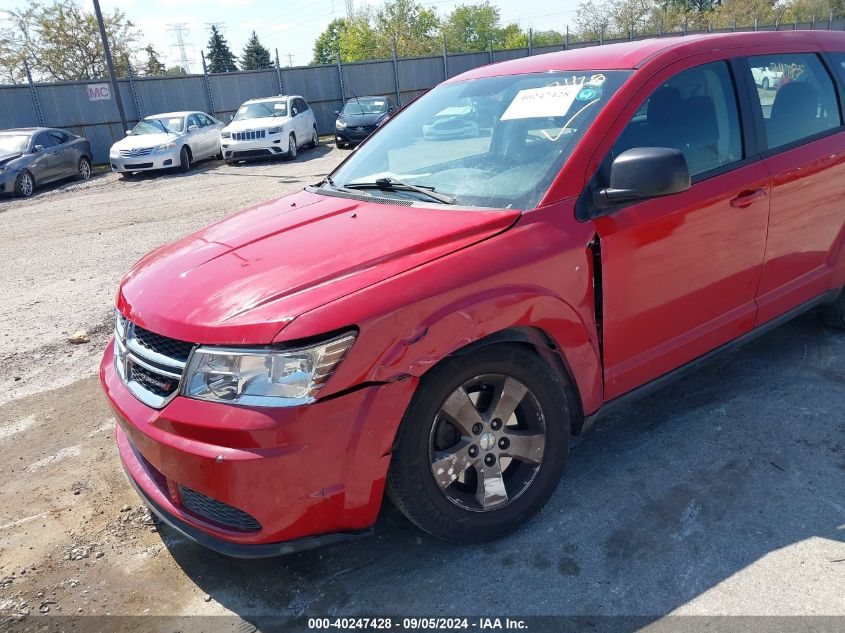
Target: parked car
457	121
359	118
34	156
172	140
274	126
766	78
438	319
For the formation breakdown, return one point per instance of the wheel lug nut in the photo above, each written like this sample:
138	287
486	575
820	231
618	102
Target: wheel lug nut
477	428
473	451
490	459
504	443
496	424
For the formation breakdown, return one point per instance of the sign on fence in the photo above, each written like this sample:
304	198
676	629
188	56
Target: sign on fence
99	92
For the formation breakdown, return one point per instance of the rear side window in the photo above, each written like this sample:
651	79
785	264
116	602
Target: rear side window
695	112
797	97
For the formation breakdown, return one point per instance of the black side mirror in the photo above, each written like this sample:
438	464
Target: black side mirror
642	173
38	149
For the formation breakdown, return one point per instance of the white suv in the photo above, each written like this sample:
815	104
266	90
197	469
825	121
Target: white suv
273	126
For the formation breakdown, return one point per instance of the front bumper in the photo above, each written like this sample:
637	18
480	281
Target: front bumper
149	162
7	181
275	145
311	471
352	134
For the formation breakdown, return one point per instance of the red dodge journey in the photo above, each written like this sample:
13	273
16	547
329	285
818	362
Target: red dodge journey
513	255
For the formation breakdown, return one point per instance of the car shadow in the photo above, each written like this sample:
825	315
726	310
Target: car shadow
661	503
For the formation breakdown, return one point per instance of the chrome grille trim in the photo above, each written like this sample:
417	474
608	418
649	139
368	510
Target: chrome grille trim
144	151
128	352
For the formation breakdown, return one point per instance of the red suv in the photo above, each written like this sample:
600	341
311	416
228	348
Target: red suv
443	312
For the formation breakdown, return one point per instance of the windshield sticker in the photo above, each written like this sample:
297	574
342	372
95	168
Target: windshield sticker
174	122
279	106
549	101
378	103
588	93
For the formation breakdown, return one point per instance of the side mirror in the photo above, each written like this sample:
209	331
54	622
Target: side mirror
642	173
231	118
193	128
295	112
38	149
337	112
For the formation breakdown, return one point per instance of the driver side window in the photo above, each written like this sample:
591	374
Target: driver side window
695	112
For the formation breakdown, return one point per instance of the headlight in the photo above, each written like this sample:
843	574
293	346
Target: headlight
226	134
274	130
263	377
2	170
340	125
114	152
166	147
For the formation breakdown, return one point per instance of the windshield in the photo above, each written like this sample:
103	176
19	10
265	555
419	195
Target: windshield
492	142
13	143
364	106
262	110
159	126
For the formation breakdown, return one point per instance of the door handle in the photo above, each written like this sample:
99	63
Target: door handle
748	197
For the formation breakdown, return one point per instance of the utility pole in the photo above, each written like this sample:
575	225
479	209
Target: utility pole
180	31
107	51
290	60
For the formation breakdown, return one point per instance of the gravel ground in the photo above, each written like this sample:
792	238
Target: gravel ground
723	494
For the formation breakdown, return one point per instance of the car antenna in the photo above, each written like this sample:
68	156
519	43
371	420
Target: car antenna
357	100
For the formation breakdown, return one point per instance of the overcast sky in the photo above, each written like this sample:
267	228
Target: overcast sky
289	26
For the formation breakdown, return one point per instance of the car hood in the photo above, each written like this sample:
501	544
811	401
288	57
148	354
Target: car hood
241	280
145	140
355	120
8	158
261	123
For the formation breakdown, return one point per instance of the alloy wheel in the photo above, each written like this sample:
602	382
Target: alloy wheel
26	186
487	442
84	169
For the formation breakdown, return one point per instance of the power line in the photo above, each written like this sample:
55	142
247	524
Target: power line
181	31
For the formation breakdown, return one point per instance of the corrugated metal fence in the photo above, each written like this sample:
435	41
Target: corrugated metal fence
67	105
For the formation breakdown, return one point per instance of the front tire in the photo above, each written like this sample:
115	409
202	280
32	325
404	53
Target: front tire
184	160
482	446
292	147
84	172
24	185
833	314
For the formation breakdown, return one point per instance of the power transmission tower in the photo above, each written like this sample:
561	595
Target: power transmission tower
350	9
181	31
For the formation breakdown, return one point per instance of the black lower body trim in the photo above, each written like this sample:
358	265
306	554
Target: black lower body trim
658	383
238	550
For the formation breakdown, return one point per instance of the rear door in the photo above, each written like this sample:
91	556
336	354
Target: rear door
803	143
679	274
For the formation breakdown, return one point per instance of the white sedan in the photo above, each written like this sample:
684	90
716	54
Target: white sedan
165	141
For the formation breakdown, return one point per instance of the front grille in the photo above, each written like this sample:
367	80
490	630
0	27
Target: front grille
249	136
174	348
153	382
251	153
217	511
144	151
149	364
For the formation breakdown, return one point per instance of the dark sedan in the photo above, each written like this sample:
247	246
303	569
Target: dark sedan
359	118
34	156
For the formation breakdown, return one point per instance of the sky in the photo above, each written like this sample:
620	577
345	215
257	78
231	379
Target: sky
289	26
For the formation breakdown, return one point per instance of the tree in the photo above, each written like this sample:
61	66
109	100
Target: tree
328	43
592	20
153	65
472	27
414	27
175	70
220	57
61	41
358	40
255	56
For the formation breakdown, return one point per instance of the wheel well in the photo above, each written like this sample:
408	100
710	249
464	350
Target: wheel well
538	342
187	148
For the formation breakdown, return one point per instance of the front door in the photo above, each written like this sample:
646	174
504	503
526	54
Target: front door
679	274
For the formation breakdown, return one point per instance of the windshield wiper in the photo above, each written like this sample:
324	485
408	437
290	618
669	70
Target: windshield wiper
331	183
391	184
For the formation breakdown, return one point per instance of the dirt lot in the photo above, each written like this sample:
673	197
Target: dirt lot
722	495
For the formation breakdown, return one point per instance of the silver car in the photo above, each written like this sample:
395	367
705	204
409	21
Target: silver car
34	156
166	141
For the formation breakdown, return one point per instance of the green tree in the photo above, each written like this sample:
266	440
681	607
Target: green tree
472	27
255	56
220	57
175	70
153	65
328	43
61	41
414	27
358	40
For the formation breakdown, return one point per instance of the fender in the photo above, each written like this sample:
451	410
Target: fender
426	339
